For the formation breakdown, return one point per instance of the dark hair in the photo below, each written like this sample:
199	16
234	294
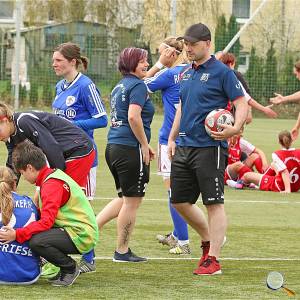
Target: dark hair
25	154
72	51
227	58
297	66
129	59
285	139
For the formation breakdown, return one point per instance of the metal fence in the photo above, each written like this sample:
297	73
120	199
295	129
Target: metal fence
266	50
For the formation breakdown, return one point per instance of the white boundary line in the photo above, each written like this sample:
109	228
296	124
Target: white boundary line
221	258
226	201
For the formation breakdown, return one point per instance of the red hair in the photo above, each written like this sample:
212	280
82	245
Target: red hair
129	59
228	59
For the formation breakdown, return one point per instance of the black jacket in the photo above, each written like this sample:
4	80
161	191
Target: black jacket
59	139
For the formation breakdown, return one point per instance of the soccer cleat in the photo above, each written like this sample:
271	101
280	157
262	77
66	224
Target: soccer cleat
57	276
86	267
66	279
49	270
210	266
183	250
129	256
167	239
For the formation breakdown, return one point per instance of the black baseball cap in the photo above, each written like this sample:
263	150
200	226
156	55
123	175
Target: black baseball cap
195	33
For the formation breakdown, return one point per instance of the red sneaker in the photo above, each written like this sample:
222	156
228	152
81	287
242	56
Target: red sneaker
205	249
209	267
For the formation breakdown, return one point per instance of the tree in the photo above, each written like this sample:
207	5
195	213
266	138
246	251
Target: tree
231	32
221	34
255	75
270	74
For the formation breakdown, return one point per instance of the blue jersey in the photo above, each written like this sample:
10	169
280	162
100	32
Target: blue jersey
203	89
80	100
167	80
18	264
130	90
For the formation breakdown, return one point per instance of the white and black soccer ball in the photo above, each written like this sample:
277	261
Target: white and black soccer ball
216	118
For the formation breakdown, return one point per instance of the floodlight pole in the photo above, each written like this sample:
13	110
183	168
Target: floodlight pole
173	17
238	34
18	21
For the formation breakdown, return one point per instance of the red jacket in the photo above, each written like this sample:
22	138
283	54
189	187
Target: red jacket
54	194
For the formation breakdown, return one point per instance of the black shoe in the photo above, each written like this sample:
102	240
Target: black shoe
57	276
128	257
66	279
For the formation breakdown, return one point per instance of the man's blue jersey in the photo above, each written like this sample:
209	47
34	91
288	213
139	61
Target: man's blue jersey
167	80
130	90
18	265
81	100
203	89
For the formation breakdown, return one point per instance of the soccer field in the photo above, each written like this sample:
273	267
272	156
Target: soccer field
262	236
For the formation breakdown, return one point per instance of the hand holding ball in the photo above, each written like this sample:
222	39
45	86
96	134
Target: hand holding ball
216	118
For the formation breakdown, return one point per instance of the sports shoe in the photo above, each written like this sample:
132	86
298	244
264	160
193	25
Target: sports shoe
86	267
183	250
49	270
210	266
239	184
57	276
205	249
167	239
128	257
66	279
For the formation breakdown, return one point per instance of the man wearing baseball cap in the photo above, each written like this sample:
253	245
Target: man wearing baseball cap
198	164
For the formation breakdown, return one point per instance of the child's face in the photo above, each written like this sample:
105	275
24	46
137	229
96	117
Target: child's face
5	130
30	174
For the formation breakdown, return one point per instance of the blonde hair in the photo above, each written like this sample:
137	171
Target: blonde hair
6	111
285	139
179	46
7	185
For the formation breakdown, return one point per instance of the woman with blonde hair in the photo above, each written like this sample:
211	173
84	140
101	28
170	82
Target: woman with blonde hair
165	76
19	265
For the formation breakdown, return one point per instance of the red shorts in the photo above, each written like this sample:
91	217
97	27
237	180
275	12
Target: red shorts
79	168
271	183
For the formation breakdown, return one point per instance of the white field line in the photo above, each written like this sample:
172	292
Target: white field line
226	201
221	258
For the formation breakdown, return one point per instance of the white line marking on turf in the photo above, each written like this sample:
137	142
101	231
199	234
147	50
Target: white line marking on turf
221	258
226	201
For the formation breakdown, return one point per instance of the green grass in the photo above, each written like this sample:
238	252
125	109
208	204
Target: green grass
262	225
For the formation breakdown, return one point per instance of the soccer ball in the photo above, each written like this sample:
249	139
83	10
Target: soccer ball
216	118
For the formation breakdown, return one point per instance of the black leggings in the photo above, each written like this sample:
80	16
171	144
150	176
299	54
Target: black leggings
54	245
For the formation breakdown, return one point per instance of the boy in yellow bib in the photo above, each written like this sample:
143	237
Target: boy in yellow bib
67	224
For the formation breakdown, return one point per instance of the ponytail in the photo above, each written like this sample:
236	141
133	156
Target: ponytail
285	139
84	62
7	185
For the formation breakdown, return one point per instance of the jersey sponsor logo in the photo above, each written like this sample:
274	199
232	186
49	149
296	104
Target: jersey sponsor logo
176	78
185	76
70	100
204	77
15	249
71	113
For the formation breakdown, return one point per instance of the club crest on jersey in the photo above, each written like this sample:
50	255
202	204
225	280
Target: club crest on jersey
70	100
70	113
204	77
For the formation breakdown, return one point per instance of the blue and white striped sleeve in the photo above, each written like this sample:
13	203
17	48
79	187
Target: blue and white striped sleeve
92	98
160	81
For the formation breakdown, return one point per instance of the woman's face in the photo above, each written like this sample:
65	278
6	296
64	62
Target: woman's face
141	69
297	73
5	130
62	66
